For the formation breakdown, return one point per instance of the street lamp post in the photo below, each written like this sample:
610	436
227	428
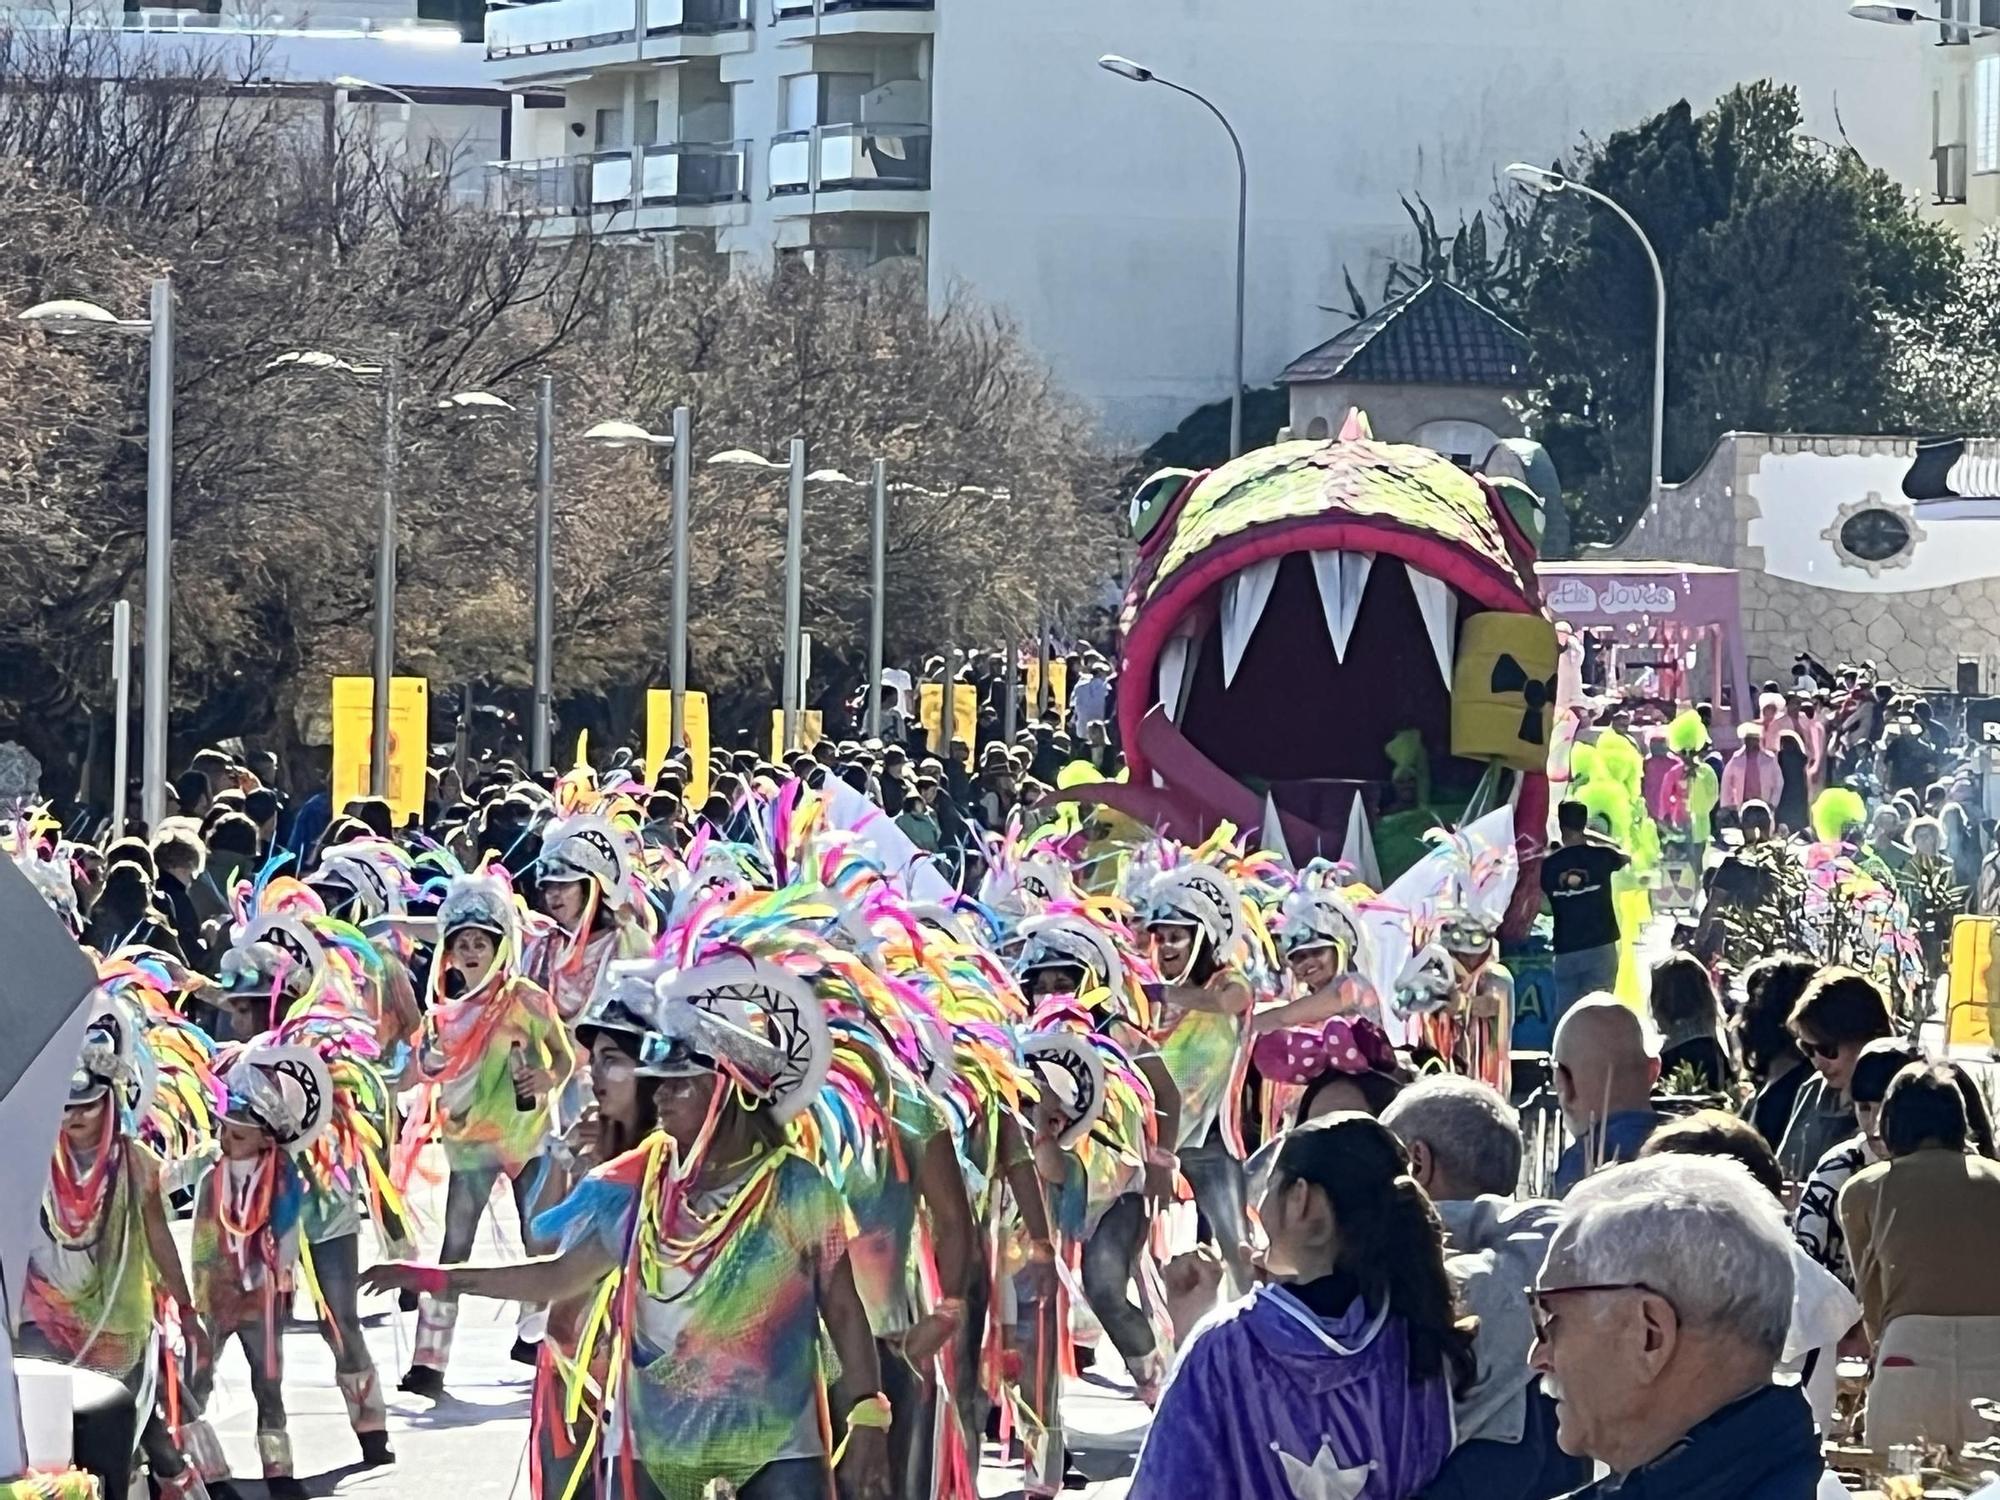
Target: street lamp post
1124	67
87	317
390	374
680	439
121	708
878	570
795	526
1542	180
545	571
477	403
385	570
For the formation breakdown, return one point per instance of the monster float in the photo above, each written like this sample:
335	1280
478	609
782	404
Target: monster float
1345	636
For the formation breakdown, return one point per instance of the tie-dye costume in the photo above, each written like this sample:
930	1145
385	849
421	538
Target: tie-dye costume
716	1312
90	1282
471	1059
570	971
881	1194
1199	1048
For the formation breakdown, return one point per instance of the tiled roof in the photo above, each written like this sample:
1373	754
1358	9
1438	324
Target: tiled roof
1435	335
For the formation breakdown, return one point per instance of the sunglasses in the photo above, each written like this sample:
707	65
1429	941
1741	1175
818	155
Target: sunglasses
1544	1319
1819	1049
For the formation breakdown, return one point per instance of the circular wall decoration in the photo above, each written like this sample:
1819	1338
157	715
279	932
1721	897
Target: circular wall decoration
1873	534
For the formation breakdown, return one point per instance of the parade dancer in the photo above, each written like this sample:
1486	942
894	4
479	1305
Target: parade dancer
368	883
618	1118
1077	953
885	1141
1456	992
730	1254
1094	1158
496	1052
345	1169
246	1227
595	904
1203	934
314	970
103	1268
1327	951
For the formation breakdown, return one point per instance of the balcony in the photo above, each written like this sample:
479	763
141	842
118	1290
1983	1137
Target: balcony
851	159
1950	164
801	20
564	28
682	175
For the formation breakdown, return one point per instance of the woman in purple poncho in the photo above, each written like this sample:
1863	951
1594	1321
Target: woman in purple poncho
1334	1379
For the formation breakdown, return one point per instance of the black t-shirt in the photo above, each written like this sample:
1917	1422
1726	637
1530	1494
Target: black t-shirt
1577	880
1910	762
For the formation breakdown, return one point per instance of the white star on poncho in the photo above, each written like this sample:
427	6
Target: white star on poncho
1323	1478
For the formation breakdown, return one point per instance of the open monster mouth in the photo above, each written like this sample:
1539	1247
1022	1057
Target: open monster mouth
1304	631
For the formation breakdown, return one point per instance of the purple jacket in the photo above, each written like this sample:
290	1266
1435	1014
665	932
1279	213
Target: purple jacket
1269	1402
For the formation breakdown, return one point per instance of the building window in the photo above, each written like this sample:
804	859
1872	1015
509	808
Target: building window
1874	535
1986	112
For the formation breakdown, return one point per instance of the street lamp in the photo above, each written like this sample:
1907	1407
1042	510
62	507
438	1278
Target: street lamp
795	525
1542	180
348	83
475	403
1124	67
1909	15
69	316
630	434
390	373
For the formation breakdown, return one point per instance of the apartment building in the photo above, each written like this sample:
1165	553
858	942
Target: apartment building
373	66
1960	53
980	140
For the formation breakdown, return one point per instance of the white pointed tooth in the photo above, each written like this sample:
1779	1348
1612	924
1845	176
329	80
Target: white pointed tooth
1342	578
1359	850
1272	834
1244	596
1440	610
1173	674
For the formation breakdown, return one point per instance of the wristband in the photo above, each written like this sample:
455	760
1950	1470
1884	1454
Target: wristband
870	1411
435	1280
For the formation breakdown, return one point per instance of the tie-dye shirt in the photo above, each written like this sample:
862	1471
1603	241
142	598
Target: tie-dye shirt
726	1371
94	1302
1199	1049
881	1194
479	1120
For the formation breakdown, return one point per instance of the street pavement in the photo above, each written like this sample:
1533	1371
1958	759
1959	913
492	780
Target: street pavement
473	1444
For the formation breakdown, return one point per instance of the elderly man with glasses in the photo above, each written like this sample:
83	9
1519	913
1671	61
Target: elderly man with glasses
1660	1316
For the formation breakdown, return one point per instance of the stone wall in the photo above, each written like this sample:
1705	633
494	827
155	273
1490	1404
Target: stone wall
1916	636
1698	521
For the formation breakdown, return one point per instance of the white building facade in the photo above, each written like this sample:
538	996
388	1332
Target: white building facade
979	140
371	68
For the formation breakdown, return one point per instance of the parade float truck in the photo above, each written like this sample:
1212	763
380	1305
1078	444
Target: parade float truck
1336	646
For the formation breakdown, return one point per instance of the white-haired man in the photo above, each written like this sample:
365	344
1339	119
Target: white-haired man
1465	1152
1660	1316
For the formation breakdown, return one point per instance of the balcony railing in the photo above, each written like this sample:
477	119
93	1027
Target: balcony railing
683	174
839	158
565	25
797	10
1950	164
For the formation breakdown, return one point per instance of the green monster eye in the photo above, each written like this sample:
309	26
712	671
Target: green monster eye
1152	499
